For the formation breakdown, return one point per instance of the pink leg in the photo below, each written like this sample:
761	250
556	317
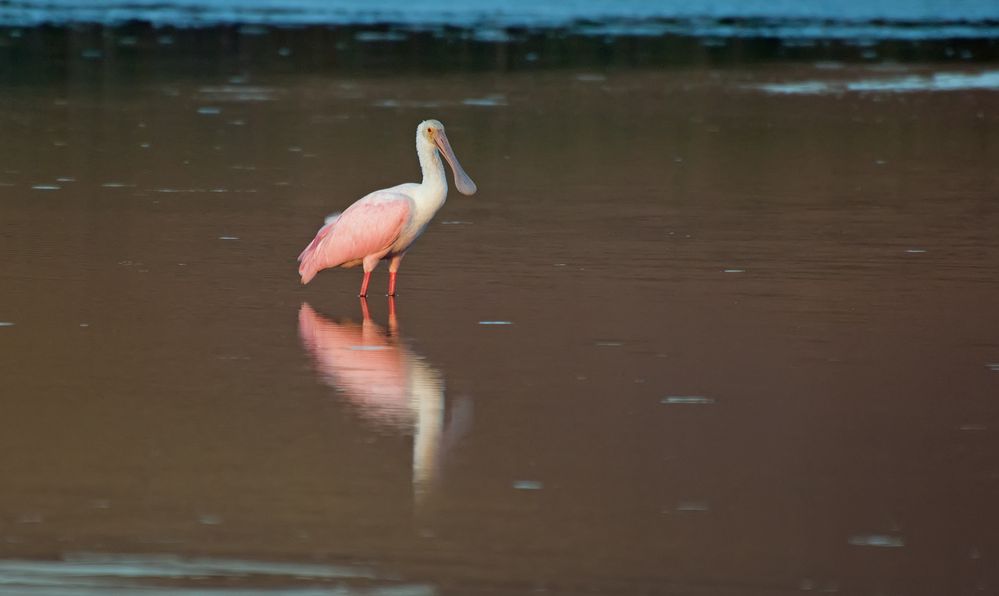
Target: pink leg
393	268
364	309
364	284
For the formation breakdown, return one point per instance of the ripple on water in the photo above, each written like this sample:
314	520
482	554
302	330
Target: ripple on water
237	93
495	322
6	324
877	540
162	575
692	506
673	400
488	101
941	81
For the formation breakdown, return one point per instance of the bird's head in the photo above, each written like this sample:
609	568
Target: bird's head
431	132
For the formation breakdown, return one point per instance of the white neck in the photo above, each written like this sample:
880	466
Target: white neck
434	176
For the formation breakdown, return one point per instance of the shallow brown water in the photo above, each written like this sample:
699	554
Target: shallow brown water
751	340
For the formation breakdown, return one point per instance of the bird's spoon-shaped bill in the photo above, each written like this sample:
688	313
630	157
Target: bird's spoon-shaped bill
462	182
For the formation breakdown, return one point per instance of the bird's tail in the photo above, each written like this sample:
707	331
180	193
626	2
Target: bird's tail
308	258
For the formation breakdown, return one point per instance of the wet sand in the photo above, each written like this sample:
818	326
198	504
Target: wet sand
690	337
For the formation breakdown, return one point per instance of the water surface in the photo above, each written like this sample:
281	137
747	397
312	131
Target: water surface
690	337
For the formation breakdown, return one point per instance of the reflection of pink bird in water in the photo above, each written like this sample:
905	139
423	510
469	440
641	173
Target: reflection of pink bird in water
384	224
387	383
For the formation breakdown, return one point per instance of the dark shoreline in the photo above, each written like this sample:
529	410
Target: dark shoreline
49	52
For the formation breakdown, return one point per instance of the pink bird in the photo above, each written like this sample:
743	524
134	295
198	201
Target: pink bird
385	223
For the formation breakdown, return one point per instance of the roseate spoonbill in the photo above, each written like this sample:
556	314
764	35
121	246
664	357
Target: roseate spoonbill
387	384
385	223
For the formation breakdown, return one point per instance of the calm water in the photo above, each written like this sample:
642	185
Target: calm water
701	331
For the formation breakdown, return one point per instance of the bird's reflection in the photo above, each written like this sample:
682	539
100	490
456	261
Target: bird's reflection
389	385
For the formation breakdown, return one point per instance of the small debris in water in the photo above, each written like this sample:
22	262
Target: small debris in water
209	111
65	179
528	485
692	506
734	271
495	322
84	324
115	185
671	400
228	237
6	324
877	540
915	251
46	187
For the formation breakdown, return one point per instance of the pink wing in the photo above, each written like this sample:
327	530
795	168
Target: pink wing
368	227
320	235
